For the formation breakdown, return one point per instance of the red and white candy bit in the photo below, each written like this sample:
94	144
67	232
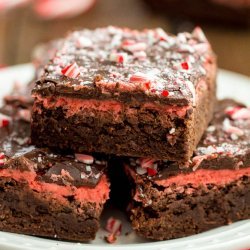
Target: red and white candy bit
71	70
228	128
151	171
4	120
83	42
141	171
87	159
231	110
111	238
118	57
139	78
161	34
147	162
191	87
238	113
2	159
2	155
185	65
165	93
201	47
142	79
133	46
196	161
114	226
24	114
199	34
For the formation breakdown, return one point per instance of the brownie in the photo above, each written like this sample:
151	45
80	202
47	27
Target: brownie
43	193
214	190
219	12
126	92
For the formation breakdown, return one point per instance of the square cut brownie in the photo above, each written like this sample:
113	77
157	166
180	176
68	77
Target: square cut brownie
126	92
168	202
216	11
43	193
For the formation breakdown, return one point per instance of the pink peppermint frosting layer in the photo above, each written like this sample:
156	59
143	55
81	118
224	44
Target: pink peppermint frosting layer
74	106
99	194
200	177
205	176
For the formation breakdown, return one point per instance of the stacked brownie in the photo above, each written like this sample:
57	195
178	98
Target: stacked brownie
125	92
214	190
236	12
146	98
44	193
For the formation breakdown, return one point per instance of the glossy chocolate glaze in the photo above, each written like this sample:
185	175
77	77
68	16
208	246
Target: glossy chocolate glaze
175	64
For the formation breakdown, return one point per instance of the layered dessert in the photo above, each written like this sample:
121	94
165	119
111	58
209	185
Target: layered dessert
218	11
43	193
126	92
214	190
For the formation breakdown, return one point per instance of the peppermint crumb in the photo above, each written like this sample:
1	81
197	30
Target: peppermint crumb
88	168
211	128
172	131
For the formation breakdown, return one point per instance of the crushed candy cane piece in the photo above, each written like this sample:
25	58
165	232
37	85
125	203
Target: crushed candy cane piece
161	34
111	238
118	57
165	93
147	162
228	128
71	70
87	159
151	171
172	131
114	226
185	65
241	114
4	120
141	171
83	42
134	46
192	90
2	155
139	77
231	110
199	34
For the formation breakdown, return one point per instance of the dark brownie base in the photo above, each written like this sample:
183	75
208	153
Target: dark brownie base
29	212
179	213
137	134
202	11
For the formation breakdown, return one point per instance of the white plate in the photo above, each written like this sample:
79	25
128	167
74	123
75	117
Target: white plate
233	237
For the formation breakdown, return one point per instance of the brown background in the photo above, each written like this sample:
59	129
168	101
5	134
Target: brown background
21	30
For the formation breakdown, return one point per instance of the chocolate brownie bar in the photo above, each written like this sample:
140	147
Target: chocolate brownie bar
126	92
43	193
169	202
217	11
